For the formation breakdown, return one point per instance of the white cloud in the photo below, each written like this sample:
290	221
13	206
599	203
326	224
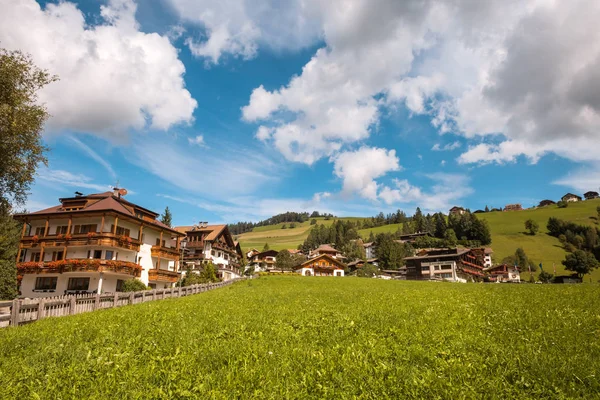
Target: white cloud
95	156
359	169
317	197
52	177
197	141
582	179
113	77
447	147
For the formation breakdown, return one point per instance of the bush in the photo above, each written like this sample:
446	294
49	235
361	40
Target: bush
532	226
562	204
368	271
134	285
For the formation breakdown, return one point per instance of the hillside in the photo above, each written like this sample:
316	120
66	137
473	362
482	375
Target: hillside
318	338
507	228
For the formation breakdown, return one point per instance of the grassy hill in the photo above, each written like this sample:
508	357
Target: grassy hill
318	338
508	233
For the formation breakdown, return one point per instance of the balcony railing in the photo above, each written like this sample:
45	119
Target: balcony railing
80	265
162	275
165	252
85	239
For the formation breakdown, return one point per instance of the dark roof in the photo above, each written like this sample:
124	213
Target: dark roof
458	252
570	195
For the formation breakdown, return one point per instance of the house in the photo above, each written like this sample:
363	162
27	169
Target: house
412	237
487	257
211	243
325	249
251	253
457	211
263	261
357	264
458	265
92	244
369	249
503	273
513	207
545	203
570	197
322	265
591	195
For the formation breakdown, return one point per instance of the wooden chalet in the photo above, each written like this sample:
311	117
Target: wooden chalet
546	202
503	273
212	243
457	211
570	197
326	249
591	195
412	237
513	207
322	265
263	261
460	265
92	244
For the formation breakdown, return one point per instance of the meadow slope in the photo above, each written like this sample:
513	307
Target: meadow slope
298	337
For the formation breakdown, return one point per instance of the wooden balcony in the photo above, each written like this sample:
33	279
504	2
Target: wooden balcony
162	275
80	265
195	245
96	239
165	252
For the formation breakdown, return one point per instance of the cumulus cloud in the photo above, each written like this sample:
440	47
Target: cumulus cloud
446	147
113	77
197	141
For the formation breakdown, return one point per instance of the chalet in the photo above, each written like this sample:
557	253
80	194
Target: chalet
487	258
357	264
570	197
513	207
211	243
412	237
251	253
325	249
591	195
369	249
458	265
503	273
92	244
457	211
322	265
545	203
263	261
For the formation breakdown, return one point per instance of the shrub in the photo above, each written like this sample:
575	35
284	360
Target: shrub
134	285
562	204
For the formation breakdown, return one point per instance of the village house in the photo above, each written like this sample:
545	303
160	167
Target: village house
487	257
326	249
263	261
369	249
458	265
503	273
321	265
211	243
570	197
513	207
457	211
251	253
591	195
545	203
93	244
357	264
412	237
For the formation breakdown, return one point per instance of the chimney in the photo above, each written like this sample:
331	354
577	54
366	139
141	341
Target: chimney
116	192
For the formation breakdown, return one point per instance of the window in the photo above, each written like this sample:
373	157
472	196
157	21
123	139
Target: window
80	229
98	254
61	230
120	283
40	231
57	255
35	257
447	276
23	255
78	284
212	252
108	255
46	283
424	269
120	230
447	266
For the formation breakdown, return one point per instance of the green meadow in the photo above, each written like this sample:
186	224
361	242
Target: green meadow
318	338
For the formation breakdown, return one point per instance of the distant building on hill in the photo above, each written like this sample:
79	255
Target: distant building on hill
411	237
513	207
545	203
503	273
457	210
570	197
458	265
591	195
322	265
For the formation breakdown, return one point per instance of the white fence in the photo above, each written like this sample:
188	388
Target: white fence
22	311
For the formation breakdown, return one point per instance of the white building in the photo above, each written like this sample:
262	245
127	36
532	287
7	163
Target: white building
263	261
369	250
487	259
94	243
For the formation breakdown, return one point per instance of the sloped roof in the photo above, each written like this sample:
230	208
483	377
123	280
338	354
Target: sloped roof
327	256
325	247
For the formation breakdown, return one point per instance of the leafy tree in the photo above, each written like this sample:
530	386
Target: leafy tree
450	239
21	123
562	204
9	243
521	258
167	218
580	262
284	226
134	285
266	247
367	271
389	252
353	250
546	277
532	226
209	273
313	221
371	237
292	225
284	261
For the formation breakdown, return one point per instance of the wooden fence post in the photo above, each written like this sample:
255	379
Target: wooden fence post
41	308
72	304
179	292
153	294
14	312
97	301
131	297
116	299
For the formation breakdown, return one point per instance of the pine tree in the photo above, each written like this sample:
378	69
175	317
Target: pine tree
266	247
167	218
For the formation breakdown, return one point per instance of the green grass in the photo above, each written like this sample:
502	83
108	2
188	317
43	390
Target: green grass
392	228
297	337
508	233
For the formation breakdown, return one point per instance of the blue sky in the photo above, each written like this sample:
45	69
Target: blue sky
232	110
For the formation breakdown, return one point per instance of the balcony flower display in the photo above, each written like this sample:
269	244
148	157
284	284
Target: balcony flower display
91	235
35	238
68	237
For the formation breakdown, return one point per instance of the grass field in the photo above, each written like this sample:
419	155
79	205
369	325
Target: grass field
297	337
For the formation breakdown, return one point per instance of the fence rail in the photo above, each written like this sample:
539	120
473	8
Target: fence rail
22	311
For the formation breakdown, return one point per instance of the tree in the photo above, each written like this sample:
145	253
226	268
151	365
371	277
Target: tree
562	204
367	271
546	277
487	209
134	285
209	273
313	221
521	259
450	239
532	226
292	225
167	218
9	242
284	261
598	211
21	123
580	262
266	247
353	250
389	252
284	226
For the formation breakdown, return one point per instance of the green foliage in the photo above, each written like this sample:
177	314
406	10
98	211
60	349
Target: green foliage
266	247
545	277
313	221
284	261
354	250
367	271
562	204
318	338
167	217
134	285
391	253
9	242
284	226
208	274
532	226
580	262
450	238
